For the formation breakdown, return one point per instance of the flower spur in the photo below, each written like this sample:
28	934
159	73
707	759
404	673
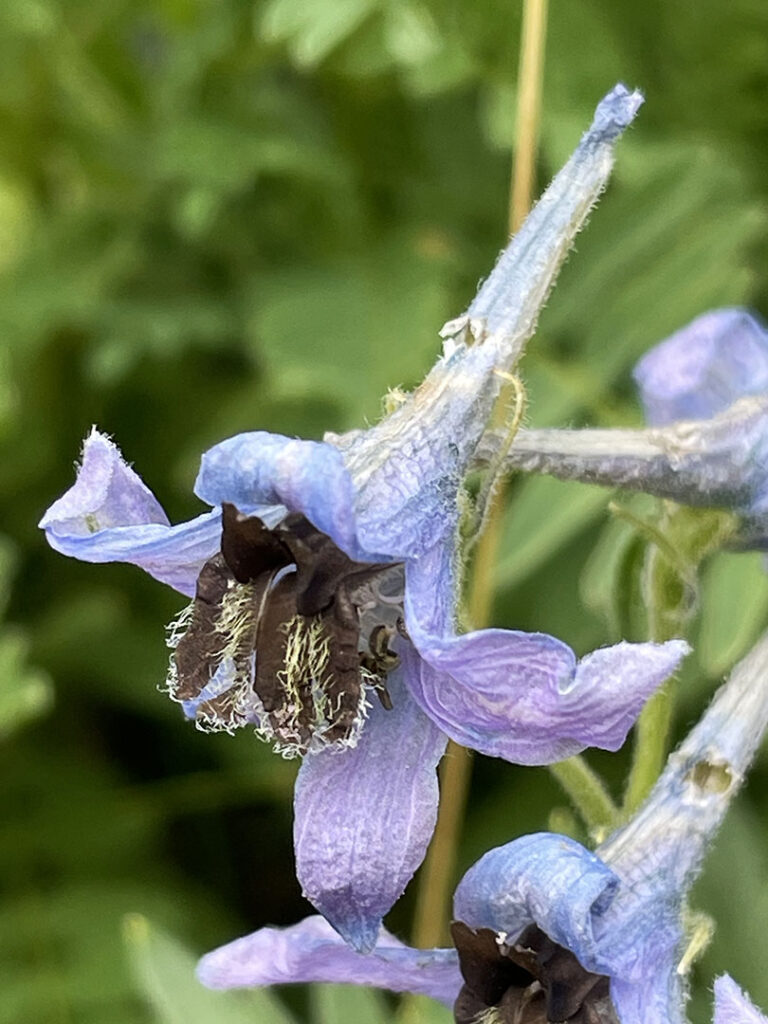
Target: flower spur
366	794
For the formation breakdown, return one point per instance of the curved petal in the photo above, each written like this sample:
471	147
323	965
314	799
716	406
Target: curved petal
106	493
546	879
312	951
656	998
374	512
268	469
110	515
523	696
703	368
732	1006
172	554
364	817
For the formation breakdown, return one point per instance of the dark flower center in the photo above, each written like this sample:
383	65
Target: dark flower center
287	633
529	981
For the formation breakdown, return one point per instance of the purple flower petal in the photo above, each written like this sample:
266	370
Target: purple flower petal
172	554
705	367
106	493
257	469
732	1006
312	951
523	696
364	817
546	879
110	515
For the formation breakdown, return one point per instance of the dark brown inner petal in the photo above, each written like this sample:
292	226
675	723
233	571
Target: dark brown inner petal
280	609
248	547
531	981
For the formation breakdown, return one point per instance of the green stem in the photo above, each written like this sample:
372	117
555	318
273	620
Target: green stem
651	744
587	792
667	614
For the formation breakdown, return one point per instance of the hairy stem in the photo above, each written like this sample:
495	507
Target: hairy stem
588	794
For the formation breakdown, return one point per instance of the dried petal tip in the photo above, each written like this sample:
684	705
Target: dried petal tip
614	113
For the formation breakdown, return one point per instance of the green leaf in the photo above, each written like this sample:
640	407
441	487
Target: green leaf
734	609
344	1004
543	516
313	30
606	584
165	973
25	693
362	325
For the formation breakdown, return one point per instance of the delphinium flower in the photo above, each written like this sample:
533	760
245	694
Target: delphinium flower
705	395
546	930
325	578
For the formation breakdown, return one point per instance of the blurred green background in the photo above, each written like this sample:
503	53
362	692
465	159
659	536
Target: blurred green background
219	215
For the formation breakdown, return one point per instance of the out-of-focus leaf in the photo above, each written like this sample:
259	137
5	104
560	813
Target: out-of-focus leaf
341	338
341	1004
734	609
62	951
544	515
693	215
734	890
419	1010
312	31
165	973
25	693
606	585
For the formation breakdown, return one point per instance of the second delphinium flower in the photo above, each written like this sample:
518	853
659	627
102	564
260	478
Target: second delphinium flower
548	931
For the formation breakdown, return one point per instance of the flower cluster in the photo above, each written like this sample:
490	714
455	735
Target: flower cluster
324	581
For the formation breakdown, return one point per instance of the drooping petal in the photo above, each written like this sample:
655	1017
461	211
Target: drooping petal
703	368
732	1006
546	879
364	816
312	951
110	515
524	696
172	554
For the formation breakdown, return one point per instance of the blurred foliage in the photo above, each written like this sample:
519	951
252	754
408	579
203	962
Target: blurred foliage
218	215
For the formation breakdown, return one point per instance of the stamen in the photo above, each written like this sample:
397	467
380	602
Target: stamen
277	634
